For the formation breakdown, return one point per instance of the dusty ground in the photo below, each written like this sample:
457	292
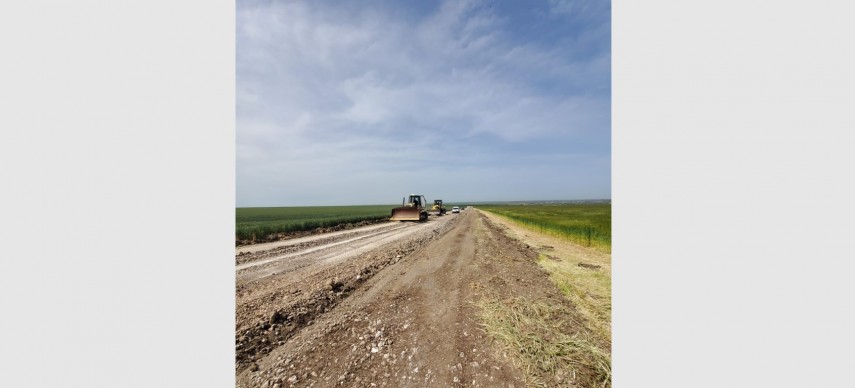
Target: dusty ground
385	305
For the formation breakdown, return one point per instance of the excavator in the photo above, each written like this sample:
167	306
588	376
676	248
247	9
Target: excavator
412	209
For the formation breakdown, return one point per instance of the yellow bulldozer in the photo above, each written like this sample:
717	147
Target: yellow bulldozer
437	207
412	209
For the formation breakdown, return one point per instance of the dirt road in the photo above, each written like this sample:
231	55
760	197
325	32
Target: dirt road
386	305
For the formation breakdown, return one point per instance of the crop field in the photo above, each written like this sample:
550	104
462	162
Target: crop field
587	224
258	222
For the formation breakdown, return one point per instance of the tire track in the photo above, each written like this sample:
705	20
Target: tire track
310	250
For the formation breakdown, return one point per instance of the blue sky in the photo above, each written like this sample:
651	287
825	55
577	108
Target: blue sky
347	103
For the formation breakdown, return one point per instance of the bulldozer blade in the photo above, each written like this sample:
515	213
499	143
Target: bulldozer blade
406	214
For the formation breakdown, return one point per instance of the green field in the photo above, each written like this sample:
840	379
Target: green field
587	224
258	222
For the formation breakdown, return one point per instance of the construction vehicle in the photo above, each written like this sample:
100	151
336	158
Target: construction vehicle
412	209
437	207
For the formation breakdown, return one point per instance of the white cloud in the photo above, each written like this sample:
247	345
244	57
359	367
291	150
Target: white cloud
350	93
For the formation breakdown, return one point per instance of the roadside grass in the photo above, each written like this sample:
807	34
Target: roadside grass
256	223
528	329
537	336
586	224
588	289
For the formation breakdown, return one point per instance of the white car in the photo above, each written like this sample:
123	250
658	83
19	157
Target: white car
455	209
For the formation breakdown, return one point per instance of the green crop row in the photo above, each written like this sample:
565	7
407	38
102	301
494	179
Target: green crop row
587	224
259	222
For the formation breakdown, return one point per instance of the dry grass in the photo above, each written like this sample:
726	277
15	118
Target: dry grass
588	289
554	340
540	339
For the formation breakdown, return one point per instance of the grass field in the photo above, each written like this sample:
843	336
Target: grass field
258	222
587	224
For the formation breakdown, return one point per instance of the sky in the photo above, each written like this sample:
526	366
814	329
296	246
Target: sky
356	103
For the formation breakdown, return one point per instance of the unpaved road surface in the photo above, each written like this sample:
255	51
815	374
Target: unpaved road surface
389	305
